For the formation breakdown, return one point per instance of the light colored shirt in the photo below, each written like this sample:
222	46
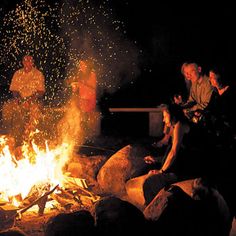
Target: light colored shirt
27	83
200	93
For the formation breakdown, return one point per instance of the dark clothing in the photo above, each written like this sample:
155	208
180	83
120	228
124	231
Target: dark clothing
220	117
219	121
189	162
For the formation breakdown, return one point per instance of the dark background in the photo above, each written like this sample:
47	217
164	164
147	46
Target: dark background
171	33
167	34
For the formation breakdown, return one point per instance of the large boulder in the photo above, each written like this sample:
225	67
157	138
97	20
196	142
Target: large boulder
189	208
172	212
141	190
123	165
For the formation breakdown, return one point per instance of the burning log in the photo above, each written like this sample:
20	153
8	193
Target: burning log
35	192
81	186
66	204
41	201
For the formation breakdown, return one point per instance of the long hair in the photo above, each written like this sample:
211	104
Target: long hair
176	113
218	72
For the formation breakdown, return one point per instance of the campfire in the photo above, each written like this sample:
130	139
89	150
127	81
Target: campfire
36	180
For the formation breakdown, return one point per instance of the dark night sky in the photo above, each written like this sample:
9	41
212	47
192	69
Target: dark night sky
169	33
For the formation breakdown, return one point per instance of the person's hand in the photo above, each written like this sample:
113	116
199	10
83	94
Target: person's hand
187	113
197	113
178	99
158	144
154	172
26	104
149	160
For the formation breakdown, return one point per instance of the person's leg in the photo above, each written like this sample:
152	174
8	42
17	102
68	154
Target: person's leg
18	121
8	114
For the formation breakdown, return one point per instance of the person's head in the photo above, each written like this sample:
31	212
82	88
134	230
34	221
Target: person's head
192	72
172	114
115	217
184	72
83	66
75	223
202	188
215	78
28	63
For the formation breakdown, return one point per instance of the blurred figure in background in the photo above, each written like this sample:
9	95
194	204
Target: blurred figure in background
21	114
84	91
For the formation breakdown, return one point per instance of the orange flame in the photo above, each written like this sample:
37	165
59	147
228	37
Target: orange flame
35	166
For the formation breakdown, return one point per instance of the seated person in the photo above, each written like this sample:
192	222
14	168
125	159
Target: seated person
219	111
200	92
177	99
174	118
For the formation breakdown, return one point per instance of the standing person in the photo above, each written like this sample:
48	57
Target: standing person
27	87
86	82
84	88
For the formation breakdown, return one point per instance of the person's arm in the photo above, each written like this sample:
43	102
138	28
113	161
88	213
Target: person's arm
178	134
15	94
165	140
41	88
191	99
14	86
36	95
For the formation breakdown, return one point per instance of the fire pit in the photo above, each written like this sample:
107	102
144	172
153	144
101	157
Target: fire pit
36	186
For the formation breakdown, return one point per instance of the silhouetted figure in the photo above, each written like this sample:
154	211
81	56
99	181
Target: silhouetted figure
220	121
201	211
84	92
117	217
214	214
71	224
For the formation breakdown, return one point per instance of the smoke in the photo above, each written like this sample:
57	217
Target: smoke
92	33
60	34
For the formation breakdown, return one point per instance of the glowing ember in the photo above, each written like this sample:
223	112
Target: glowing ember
60	34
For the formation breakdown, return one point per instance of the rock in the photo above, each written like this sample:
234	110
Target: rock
141	190
173	212
125	164
189	207
86	167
